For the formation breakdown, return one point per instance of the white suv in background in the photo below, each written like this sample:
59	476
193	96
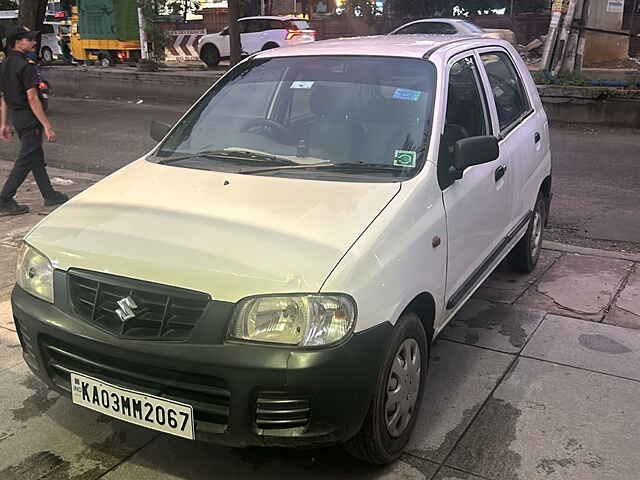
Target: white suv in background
256	33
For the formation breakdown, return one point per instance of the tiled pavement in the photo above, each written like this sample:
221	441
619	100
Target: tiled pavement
536	378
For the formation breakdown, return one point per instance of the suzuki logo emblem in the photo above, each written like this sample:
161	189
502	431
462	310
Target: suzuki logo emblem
126	308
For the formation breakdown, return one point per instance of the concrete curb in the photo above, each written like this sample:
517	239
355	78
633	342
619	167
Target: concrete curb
595	252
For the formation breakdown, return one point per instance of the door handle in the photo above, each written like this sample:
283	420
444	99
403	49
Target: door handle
536	137
500	171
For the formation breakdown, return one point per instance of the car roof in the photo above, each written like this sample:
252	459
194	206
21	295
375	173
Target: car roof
409	46
271	18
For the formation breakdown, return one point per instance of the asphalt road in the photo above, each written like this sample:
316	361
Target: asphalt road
596	170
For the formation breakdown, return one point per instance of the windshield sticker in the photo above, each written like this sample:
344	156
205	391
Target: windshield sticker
406	94
404	158
302	85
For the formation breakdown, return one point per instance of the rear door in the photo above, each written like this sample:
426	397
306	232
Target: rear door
253	38
519	127
478	205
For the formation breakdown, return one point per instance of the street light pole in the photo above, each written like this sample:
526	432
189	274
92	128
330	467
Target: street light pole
234	31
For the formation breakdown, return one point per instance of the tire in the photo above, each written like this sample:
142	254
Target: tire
380	443
524	256
105	60
47	55
269	46
210	55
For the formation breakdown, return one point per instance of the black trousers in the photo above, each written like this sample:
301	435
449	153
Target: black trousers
30	159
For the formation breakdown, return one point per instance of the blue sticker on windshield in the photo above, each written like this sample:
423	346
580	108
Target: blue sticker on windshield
406	94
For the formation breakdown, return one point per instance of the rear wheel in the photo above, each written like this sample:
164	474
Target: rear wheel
47	55
396	402
210	55
524	256
105	59
270	45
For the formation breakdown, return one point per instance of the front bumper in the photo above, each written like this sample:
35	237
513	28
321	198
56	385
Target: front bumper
242	395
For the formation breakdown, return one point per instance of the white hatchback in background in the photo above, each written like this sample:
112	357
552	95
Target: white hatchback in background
256	34
50	44
452	26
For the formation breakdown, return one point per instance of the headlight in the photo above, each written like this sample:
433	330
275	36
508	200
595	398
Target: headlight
34	273
301	320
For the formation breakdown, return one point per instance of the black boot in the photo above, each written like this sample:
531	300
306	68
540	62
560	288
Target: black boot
58	198
11	207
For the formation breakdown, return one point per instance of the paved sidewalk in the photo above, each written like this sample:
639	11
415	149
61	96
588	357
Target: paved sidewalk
538	377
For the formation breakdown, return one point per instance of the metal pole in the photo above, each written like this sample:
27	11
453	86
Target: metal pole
144	48
234	31
633	16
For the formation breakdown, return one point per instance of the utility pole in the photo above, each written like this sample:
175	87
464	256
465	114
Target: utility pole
144	47
234	31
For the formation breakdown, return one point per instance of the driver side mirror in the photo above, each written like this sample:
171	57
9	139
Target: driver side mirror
159	130
473	151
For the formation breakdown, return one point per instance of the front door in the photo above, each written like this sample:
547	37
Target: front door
478	205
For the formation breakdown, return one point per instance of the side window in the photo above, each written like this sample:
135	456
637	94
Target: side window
243	26
255	26
466	114
47	28
276	25
439	28
510	96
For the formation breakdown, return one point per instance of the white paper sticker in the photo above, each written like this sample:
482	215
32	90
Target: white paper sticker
305	85
615	6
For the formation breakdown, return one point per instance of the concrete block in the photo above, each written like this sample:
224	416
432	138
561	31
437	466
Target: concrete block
460	379
626	311
577	285
506	286
499	327
42	434
593	346
552	422
169	458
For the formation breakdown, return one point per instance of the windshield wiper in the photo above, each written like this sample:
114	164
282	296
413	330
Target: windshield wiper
372	167
233	153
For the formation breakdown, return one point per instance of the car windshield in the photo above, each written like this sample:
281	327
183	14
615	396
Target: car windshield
288	116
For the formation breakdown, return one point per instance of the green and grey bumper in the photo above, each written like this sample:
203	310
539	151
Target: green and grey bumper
242	394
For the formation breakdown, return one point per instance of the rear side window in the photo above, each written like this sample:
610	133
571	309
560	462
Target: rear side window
276	25
511	99
46	28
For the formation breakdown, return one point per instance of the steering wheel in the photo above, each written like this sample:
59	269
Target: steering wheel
272	128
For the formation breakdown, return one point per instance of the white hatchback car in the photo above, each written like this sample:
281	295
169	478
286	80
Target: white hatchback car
256	33
275	270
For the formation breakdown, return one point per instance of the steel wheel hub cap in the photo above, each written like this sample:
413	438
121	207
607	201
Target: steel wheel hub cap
403	386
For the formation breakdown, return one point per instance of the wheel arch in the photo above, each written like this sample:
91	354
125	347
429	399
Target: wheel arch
545	191
424	306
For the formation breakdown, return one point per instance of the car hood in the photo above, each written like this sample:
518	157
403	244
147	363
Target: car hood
228	235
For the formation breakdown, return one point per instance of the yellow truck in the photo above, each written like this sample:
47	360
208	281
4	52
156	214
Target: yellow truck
106	31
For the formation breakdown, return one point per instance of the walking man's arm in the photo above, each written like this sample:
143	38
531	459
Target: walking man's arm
5	130
38	111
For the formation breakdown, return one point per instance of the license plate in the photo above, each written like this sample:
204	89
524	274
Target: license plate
142	409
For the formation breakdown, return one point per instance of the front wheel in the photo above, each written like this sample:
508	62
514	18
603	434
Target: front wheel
524	256
210	55
396	402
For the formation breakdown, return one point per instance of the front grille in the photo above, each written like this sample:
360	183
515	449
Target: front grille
208	395
162	313
282	410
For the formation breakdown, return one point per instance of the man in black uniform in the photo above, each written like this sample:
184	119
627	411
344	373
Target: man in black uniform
20	95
